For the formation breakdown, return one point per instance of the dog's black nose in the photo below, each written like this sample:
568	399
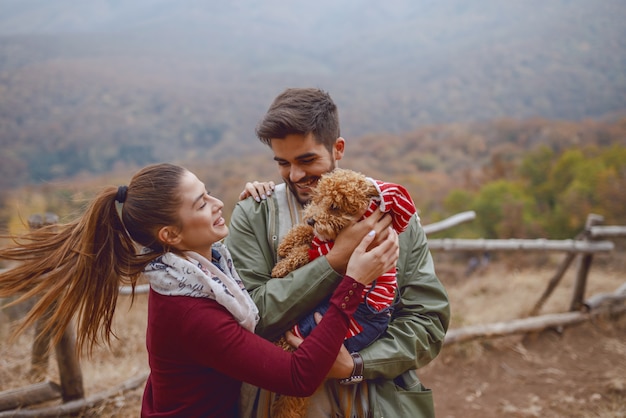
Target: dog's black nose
310	222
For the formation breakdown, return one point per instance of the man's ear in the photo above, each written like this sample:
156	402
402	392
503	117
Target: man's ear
169	235
339	148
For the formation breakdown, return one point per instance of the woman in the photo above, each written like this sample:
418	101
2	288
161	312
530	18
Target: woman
201	320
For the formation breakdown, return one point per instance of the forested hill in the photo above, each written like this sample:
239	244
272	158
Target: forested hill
524	178
94	86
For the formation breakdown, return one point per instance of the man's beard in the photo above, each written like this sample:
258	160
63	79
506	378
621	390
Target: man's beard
303	200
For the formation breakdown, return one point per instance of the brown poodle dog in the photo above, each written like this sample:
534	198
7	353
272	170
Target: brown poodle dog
340	198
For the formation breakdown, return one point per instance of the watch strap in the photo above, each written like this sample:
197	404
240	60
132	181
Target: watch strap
357	371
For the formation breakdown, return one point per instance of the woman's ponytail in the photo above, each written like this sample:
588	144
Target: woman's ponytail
75	270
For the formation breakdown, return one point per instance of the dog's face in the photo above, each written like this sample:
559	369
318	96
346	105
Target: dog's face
340	198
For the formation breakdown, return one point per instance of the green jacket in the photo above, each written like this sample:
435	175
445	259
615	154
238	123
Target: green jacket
414	337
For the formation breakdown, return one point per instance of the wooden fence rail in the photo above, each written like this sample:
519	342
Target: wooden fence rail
612	231
584	246
567	245
531	324
448	223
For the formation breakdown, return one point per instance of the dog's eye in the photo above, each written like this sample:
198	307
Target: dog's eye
333	207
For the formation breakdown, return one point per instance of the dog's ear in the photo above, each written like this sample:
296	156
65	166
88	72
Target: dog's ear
372	191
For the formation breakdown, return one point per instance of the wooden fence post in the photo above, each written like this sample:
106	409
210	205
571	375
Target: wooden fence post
40	352
584	265
553	283
69	366
41	345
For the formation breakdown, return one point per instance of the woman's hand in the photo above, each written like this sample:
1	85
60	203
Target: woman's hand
258	190
365	265
350	237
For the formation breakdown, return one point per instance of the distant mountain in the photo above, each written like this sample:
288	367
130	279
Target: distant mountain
86	86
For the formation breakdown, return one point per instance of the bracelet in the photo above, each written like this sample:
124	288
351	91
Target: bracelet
357	371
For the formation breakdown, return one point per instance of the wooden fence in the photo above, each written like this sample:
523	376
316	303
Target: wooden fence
585	245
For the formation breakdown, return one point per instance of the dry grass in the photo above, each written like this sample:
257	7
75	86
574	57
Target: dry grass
509	288
108	367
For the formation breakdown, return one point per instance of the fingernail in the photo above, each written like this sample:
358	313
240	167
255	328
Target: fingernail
257	199
371	233
263	197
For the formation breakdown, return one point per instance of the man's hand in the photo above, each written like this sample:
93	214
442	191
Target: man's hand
293	339
342	368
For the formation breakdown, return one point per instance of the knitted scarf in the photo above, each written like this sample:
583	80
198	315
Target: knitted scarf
197	277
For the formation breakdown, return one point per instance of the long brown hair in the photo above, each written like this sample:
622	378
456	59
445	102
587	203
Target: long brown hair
75	269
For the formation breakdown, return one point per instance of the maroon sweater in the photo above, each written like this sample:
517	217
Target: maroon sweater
199	355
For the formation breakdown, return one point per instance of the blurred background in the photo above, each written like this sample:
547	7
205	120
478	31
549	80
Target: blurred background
467	103
514	109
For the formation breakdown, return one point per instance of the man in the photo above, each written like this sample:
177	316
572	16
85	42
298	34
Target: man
302	129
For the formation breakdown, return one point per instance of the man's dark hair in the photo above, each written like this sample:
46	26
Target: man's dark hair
301	111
